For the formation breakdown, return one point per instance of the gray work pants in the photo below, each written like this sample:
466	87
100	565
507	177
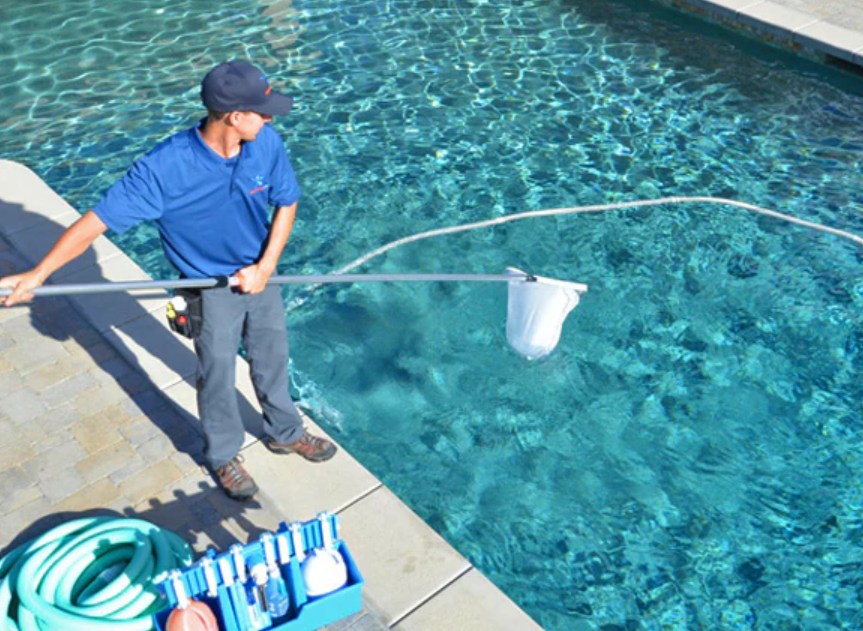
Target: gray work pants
260	321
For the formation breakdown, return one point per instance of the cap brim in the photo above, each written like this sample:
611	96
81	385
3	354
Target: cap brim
276	105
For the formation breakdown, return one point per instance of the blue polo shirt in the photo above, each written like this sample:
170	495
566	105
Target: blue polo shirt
213	214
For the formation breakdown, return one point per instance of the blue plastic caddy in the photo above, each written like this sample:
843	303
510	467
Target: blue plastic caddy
220	580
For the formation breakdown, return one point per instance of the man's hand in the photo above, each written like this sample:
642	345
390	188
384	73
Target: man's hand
21	285
253	279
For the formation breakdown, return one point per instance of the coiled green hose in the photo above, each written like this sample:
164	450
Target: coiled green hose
88	574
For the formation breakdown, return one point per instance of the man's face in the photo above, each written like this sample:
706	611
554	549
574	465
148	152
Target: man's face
249	124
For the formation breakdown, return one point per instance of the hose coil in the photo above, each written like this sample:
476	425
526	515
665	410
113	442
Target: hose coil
89	574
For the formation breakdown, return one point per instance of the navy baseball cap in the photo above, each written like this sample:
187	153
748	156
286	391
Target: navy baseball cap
237	86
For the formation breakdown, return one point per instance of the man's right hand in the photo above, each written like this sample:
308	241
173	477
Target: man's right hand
21	285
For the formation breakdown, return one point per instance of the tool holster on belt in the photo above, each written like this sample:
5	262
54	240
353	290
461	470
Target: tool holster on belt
185	312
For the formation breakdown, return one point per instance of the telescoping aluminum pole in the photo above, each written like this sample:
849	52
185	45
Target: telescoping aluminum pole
232	281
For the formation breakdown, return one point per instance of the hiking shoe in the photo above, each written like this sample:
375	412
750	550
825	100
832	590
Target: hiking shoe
312	448
235	480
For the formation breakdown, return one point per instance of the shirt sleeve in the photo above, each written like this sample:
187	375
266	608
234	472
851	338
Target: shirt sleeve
136	197
284	189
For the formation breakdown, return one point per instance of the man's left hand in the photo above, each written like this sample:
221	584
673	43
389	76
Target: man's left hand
253	279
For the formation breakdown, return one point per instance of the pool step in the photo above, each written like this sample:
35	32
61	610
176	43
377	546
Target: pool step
830	31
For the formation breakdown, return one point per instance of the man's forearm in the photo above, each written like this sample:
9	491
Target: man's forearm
280	231
71	244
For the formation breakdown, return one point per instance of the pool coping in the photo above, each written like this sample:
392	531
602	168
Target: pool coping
414	579
799	31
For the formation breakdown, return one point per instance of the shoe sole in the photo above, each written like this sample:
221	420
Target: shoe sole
240	497
288	452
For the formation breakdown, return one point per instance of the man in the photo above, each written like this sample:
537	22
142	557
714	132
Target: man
209	189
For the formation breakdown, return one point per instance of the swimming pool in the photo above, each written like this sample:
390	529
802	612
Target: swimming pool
689	455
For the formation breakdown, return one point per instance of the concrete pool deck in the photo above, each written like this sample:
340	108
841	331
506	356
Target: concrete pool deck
98	414
828	30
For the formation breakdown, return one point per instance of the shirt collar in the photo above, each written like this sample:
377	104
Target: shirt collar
210	158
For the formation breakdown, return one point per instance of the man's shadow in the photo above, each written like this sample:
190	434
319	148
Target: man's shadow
31	235
207	530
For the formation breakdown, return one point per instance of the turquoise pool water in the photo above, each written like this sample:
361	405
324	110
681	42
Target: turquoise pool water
689	457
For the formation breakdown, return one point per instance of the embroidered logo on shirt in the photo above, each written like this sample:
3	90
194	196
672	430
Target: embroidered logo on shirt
259	185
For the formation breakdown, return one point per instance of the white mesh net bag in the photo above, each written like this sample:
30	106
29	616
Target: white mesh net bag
536	310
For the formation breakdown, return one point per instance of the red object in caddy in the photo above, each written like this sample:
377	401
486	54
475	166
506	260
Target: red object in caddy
190	614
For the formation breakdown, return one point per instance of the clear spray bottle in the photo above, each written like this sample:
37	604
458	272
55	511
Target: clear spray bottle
276	590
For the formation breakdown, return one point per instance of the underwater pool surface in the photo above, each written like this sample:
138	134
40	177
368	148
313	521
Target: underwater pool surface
690	455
